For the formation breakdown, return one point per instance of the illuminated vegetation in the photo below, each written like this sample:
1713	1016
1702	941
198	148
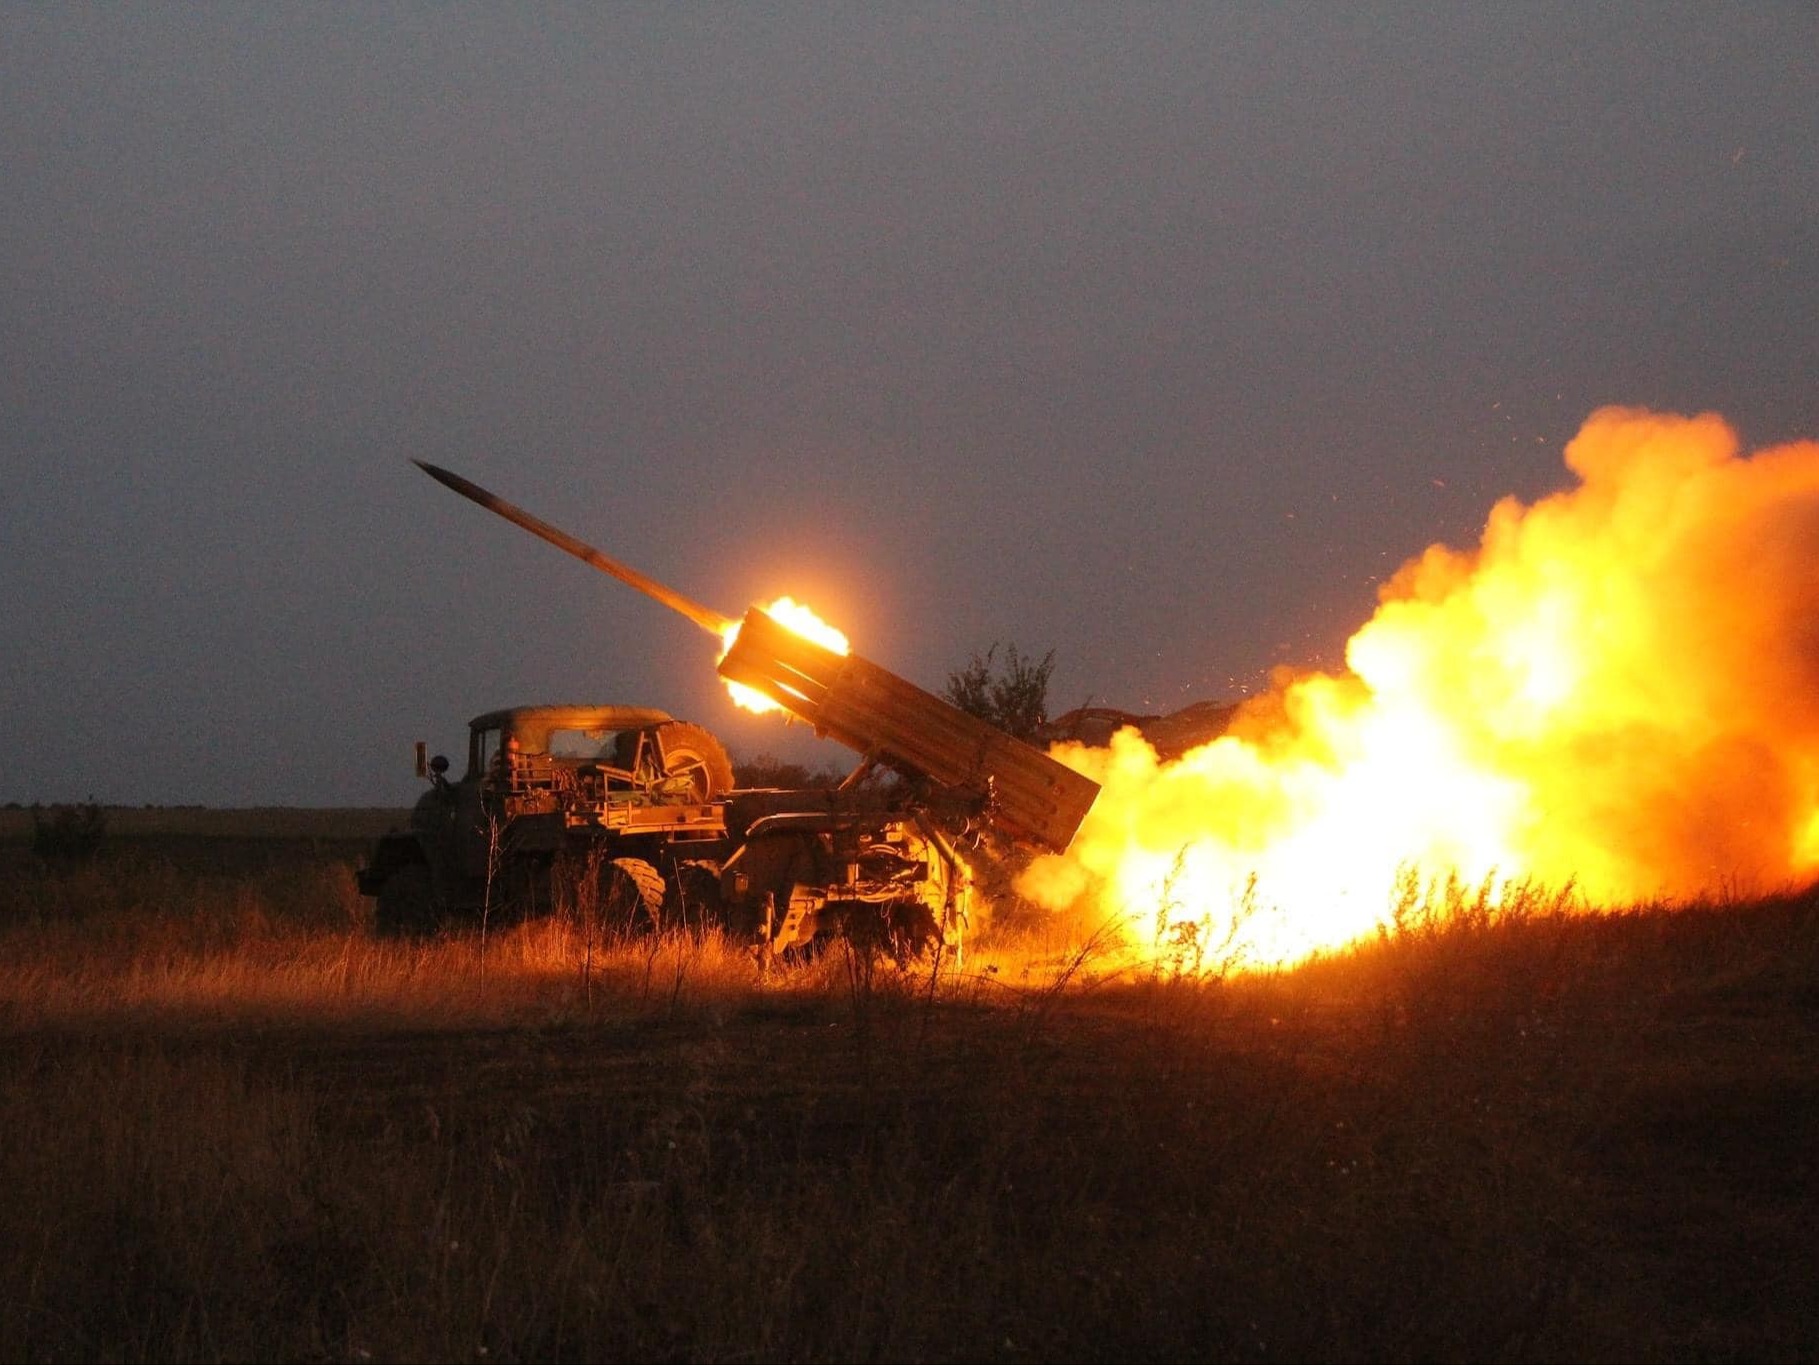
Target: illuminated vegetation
1012	694
235	1126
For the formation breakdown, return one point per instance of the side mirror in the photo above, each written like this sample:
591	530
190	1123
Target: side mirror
438	765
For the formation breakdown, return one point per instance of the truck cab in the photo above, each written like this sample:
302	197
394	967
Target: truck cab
627	783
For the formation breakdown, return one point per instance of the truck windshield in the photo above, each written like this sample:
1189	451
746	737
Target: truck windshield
599	745
486	744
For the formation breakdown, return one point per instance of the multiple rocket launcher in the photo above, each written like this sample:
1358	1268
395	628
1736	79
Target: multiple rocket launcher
864	706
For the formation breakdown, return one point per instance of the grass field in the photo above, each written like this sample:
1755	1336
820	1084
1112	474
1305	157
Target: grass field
233	1125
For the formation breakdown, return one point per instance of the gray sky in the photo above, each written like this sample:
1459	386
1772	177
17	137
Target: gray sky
1155	336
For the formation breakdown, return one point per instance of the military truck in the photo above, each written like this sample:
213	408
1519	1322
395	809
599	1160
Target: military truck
625	792
640	807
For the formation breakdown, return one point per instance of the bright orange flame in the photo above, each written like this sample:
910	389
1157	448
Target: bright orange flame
1618	690
789	612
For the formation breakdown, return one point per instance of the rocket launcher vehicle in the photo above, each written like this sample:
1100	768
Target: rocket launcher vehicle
1021	790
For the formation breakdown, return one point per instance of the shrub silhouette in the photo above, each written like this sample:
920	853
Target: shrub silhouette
1013	695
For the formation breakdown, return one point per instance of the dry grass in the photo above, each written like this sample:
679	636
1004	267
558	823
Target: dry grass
235	1126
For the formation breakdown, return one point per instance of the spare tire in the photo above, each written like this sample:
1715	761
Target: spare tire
691	752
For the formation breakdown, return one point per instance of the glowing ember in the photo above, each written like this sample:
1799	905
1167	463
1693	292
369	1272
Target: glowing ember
1618	690
789	612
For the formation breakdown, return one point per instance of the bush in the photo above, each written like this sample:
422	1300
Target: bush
1013	696
767	770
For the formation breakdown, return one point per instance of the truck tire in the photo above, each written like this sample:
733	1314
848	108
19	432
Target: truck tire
690	751
631	894
912	933
406	906
904	931
691	894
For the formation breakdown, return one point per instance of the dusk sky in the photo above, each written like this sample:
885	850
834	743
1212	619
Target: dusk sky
1158	337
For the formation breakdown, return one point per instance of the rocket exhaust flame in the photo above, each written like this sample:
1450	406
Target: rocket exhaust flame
1617	691
798	618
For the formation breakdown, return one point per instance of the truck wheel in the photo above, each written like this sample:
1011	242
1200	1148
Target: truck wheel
810	950
407	904
689	751
631	894
691	894
905	931
522	888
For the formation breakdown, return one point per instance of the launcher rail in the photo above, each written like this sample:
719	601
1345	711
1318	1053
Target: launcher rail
873	711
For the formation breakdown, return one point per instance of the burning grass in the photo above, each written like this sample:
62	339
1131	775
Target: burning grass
235	1126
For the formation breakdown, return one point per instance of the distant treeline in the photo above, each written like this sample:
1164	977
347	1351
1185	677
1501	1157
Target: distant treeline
21	824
